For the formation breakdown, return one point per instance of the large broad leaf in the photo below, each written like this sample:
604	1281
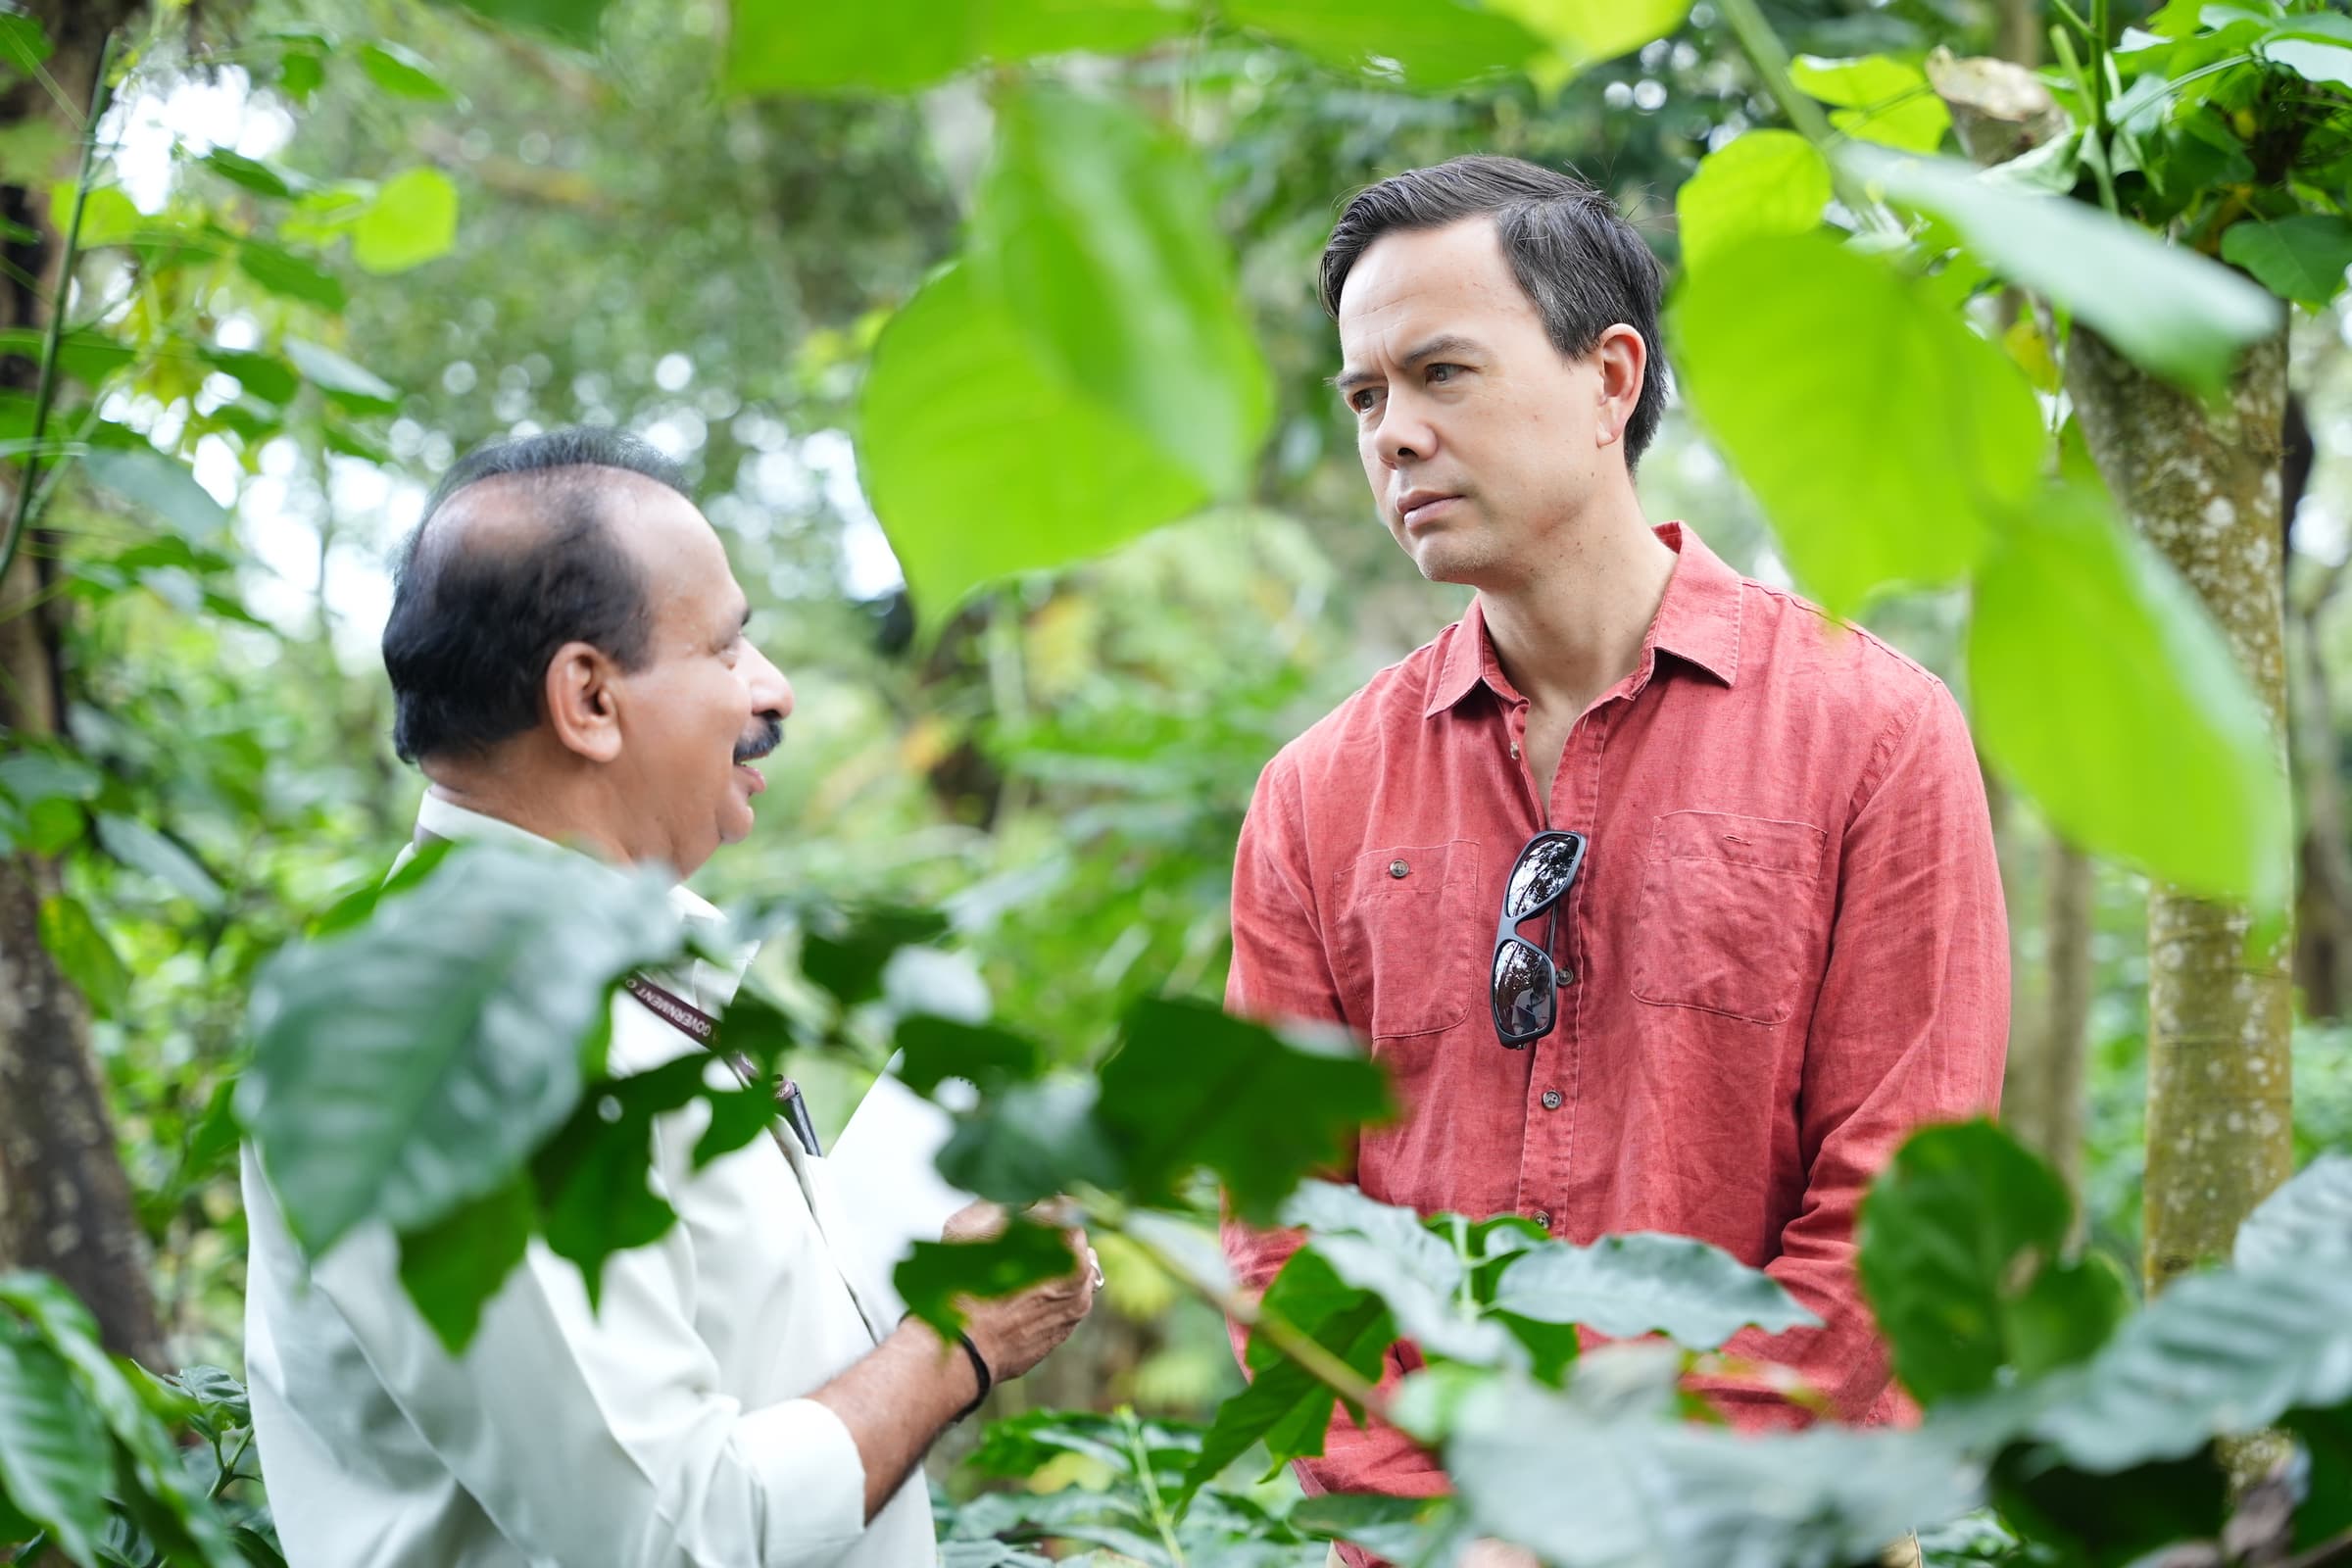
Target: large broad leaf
160	488
1877	99
410	1065
936	1049
56	1464
896	45
1388	1249
1097	231
1286	1406
84	954
2102	688
1765	182
1031	1143
1631	1491
1191	1088
2307	1222
981	462
2301	259
1586	32
160	1490
1961	1243
1426	45
453	1266
2167	308
350	384
414	219
936	1273
1405	1530
1697	1294
1788	345
2216	1353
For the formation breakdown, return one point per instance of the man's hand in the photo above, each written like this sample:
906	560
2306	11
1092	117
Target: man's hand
1016	1332
1498	1555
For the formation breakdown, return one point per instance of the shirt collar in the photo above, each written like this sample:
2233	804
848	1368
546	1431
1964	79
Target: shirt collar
1697	621
437	817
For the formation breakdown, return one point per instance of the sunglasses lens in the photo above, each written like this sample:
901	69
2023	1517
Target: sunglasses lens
1539	876
1525	991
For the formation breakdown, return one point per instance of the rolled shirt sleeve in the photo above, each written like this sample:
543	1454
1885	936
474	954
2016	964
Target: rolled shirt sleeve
1911	1027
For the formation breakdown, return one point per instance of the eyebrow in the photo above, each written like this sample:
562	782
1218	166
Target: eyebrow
1444	343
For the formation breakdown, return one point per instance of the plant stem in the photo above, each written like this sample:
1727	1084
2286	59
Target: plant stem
1161	1520
1770	57
228	1471
45	389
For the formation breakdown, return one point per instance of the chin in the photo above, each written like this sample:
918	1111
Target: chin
1443	559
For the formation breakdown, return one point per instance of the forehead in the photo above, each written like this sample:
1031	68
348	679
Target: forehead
685	565
1411	283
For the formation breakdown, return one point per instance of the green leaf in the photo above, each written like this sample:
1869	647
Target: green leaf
1588	31
1397	1529
404	1067
264	376
29	776
161	486
1426	45
570	21
1695	1293
2327	64
22	43
403	72
960	416
1586	1490
2216	1353
1961	1253
1031	1143
351	385
2092	668
591	1174
2301	259
1956	433
250	174
84	954
300	73
1765	182
2326	1507
108	217
2164	307
1386	1250
160	1487
56	1464
780	46
1191	1087
936	1273
1098	232
1283	1406
2308	1221
414	219
846	952
1878	99
940	1048
144	849
33	152
296	278
454	1265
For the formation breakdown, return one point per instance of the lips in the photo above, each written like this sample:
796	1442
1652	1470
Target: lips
1417	507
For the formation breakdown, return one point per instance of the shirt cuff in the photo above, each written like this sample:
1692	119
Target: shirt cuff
806	1463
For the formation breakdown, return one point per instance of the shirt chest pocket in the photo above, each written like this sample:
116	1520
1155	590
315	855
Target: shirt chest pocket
1729	917
1410	950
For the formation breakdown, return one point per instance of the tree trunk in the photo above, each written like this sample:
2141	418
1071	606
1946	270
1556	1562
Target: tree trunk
65	1202
2203	485
2324	908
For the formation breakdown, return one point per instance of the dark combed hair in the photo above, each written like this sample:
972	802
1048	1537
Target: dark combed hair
474	623
1581	264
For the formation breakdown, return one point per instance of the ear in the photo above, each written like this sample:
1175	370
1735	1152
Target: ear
583	706
1623	360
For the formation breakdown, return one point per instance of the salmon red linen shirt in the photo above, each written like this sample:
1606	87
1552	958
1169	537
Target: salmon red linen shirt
1787	943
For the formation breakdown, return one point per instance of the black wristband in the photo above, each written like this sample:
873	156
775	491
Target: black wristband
980	1370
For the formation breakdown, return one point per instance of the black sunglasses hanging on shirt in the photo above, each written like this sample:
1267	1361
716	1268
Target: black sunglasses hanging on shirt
1525	998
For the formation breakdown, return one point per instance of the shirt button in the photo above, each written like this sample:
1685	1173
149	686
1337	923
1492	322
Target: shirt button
1399	869
1542	1217
1514	750
1551	1099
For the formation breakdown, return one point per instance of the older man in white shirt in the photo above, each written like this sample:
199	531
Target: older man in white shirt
567	654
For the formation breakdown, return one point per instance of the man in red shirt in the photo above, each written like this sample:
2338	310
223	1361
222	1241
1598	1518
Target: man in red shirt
1778	942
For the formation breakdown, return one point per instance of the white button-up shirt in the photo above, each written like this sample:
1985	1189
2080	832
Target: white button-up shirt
671	1427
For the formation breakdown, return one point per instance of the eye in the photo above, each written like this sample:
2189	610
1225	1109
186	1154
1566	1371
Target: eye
1439	374
1361	399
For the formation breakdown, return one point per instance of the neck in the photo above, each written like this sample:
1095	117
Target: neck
1572	622
565	810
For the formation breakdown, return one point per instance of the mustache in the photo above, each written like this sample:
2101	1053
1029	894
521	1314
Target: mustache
762	741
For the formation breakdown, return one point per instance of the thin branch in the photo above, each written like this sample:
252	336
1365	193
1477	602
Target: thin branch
46	388
1770	57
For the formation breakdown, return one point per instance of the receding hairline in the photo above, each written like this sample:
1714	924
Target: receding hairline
517	509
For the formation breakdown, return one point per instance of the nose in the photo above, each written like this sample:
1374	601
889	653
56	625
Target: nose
770	691
1404	434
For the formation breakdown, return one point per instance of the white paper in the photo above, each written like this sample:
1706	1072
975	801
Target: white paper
883	1176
